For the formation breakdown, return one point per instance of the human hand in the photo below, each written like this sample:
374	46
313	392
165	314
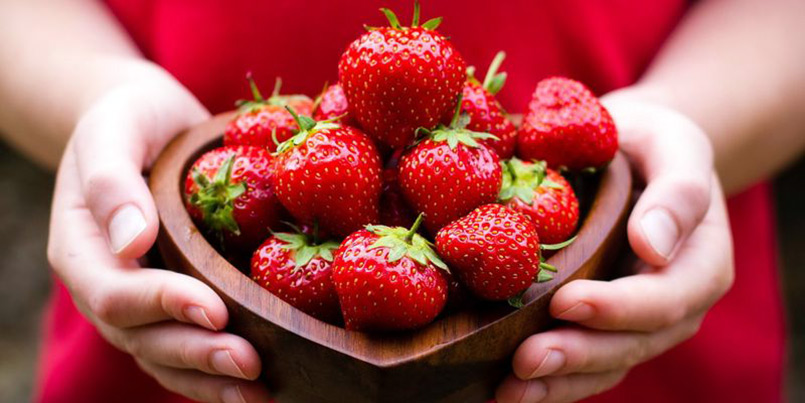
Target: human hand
104	219
680	232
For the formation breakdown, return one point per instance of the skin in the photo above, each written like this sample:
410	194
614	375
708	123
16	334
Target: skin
97	83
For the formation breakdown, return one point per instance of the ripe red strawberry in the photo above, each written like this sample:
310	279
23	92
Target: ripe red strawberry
449	174
229	192
486	113
257	120
388	279
329	174
394	210
297	269
398	79
542	195
566	126
331	104
494	251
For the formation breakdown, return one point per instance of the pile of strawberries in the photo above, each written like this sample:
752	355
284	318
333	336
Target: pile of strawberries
397	192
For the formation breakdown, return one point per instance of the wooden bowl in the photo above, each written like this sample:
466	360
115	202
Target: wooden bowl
458	358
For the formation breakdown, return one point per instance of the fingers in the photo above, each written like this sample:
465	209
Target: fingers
114	290
578	350
206	388
113	143
568	388
700	274
175	345
674	157
138	297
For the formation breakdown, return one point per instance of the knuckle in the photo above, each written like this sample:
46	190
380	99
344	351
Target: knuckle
168	299
99	182
187	356
53	254
133	346
725	281
672	315
102	304
608	382
692	329
694	190
557	388
637	353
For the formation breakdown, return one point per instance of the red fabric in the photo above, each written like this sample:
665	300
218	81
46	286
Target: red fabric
210	45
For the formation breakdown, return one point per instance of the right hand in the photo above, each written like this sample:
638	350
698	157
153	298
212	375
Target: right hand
104	219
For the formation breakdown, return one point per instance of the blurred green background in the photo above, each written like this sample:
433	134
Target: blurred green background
25	192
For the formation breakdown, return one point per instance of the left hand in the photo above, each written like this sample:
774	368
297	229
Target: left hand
680	231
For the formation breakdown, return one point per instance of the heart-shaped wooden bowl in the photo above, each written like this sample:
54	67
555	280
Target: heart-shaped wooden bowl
457	358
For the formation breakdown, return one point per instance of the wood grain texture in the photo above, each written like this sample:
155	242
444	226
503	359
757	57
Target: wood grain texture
458	358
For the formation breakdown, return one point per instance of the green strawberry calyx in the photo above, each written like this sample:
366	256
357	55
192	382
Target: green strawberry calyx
258	101
215	197
456	133
307	127
520	179
544	274
305	248
493	81
403	242
394	22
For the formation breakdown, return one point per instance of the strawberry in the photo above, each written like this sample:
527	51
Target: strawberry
297	269
388	279
398	79
486	113
494	251
449	173
260	121
332	104
567	126
329	174
229	193
394	211
542	195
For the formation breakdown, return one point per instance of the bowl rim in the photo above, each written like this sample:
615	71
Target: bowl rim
166	182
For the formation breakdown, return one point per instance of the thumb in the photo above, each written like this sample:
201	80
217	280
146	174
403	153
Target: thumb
113	143
674	158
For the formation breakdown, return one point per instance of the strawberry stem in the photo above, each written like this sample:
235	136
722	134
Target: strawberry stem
415	20
319	98
557	246
410	234
277	86
493	69
255	91
456	115
305	123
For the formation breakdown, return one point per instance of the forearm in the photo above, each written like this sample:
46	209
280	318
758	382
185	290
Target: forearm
58	57
737	68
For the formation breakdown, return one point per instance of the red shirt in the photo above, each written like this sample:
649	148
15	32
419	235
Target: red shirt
210	45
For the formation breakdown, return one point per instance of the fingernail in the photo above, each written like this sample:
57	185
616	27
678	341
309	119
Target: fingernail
223	362
580	312
535	391
553	361
198	315
124	227
232	394
661	231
